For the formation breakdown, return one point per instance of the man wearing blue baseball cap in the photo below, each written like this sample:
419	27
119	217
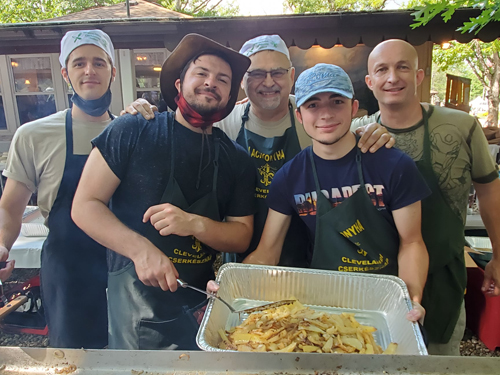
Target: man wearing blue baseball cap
363	210
47	156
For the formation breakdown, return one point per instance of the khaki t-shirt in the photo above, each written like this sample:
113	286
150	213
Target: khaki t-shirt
459	150
38	151
231	125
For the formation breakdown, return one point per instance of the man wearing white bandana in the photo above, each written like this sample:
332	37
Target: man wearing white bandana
47	156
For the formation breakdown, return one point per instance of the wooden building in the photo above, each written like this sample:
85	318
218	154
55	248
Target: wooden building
31	85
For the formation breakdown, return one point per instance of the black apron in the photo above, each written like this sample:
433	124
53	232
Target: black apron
146	317
443	234
353	236
269	155
73	270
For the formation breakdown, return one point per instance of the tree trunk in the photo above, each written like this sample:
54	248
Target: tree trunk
494	93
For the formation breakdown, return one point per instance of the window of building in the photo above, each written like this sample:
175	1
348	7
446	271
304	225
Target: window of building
33	87
3	121
147	66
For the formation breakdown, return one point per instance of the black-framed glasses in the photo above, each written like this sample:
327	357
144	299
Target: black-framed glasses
260	75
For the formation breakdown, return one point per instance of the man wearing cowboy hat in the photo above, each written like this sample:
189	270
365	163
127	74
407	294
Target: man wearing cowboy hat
170	183
47	156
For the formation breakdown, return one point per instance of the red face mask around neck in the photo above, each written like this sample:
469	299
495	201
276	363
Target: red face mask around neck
193	117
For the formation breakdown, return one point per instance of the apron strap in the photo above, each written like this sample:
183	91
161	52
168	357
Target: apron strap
172	153
69	133
427	147
358	165
244	119
216	162
315	174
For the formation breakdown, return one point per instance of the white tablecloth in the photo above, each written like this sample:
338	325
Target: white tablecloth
26	251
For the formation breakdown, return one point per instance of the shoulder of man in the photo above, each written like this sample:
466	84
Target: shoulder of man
364	120
57	119
450	116
233	120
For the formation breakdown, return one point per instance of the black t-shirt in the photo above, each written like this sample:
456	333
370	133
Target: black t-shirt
138	152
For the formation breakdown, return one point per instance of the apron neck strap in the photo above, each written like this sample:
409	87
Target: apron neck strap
292	117
427	145
216	162
315	173
245	117
172	153
358	163
69	133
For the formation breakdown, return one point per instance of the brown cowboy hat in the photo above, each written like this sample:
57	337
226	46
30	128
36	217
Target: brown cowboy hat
190	46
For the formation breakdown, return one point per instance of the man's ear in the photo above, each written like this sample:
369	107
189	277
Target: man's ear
420	76
355	107
292	74
298	115
64	73
368	82
113	74
178	84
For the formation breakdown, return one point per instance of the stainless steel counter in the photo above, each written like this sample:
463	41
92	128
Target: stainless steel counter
96	362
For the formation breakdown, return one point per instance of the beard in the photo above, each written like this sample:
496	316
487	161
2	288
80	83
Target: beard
201	106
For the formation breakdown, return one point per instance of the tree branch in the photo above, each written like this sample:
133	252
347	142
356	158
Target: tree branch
215	6
476	72
202	5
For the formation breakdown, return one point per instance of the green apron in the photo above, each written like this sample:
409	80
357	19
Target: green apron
443	234
353	236
145	317
269	155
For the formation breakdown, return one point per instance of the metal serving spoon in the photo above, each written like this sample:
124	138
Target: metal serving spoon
184	284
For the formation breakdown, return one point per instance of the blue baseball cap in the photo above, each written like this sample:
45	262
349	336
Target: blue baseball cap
322	78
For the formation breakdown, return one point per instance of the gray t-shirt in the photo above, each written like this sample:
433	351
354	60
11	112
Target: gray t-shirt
459	149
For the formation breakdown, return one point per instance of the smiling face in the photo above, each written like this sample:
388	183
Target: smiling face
207	84
393	73
90	71
269	93
327	117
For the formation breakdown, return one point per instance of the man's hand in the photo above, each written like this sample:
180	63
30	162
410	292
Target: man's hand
212	287
7	270
155	269
142	106
4	254
417	314
491	283
169	219
374	136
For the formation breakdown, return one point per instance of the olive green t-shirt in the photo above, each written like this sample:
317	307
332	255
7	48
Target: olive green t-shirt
459	151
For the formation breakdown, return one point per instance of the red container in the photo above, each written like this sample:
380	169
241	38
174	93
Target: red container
483	313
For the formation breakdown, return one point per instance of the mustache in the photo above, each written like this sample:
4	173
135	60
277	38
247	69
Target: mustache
209	90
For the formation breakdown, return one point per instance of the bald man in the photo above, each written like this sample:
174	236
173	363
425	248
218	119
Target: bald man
451	152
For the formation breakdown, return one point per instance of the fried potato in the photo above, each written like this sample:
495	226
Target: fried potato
296	328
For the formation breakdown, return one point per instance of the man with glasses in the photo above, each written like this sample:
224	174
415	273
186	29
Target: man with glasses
266	127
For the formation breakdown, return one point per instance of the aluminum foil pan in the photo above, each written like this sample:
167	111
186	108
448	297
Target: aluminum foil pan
377	300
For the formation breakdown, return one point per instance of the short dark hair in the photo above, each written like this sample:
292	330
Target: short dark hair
188	64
